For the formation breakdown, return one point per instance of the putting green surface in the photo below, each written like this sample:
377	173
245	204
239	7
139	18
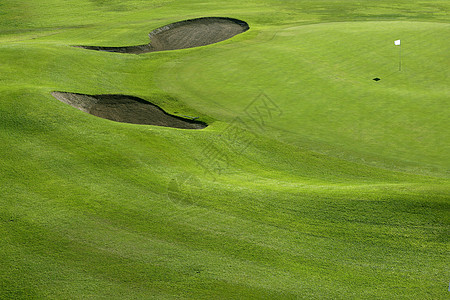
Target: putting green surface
310	181
320	77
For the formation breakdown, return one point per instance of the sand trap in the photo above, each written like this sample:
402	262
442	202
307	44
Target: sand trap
126	109
184	34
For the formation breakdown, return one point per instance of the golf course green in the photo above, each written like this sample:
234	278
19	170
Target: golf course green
306	178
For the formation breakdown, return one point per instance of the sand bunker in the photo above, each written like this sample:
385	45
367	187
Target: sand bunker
126	109
184	34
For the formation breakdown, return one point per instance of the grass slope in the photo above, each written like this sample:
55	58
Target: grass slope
342	191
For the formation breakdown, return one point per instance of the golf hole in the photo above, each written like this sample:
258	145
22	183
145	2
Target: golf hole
126	109
184	34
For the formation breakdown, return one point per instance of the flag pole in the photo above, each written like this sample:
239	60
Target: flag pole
399	43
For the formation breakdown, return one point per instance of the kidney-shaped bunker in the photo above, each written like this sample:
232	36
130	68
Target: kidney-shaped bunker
126	109
184	34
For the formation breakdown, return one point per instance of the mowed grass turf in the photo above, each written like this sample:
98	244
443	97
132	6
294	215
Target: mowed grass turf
311	180
321	78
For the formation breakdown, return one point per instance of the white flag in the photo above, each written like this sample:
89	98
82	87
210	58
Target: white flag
397	43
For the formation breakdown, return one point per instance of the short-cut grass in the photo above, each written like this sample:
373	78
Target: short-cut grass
311	180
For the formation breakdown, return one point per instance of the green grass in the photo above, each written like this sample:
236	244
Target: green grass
341	193
320	77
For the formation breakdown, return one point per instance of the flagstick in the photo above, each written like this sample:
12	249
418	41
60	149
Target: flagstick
400	58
